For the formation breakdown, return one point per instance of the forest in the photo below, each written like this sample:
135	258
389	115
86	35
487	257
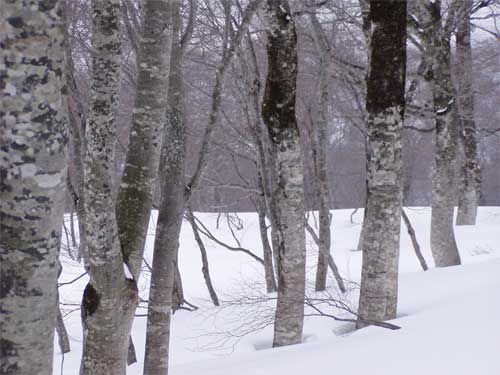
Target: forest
248	187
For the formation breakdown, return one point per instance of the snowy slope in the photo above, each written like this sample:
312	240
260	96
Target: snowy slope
449	317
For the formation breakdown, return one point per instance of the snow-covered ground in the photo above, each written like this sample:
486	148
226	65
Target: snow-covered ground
449	317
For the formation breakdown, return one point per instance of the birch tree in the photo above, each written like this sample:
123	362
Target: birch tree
385	106
116	241
278	112
33	138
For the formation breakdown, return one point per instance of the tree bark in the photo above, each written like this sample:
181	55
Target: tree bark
413	237
116	243
271	286
170	213
62	333
385	106
443	244
319	155
470	175
135	197
105	333
278	112
33	140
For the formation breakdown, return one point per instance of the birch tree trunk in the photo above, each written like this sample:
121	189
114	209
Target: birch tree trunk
385	106
470	173
443	244
278	112
116	244
33	140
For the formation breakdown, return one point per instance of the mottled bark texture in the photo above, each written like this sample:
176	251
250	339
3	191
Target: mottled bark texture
443	245
385	106
278	112
135	196
33	139
170	213
109	297
470	173
115	244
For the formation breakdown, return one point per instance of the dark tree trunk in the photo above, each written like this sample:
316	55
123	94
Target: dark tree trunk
385	107
278	112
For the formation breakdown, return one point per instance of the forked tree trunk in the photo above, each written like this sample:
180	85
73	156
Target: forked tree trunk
385	106
470	173
105	339
170	214
116	244
443	244
278	112
33	163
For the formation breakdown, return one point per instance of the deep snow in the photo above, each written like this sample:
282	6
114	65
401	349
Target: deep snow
449	317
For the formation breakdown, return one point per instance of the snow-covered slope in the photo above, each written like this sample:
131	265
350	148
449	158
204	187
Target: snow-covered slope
449	317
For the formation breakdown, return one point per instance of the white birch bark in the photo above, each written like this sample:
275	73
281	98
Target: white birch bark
385	107
33	138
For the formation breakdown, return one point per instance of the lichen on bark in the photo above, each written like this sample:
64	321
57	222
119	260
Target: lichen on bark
33	139
385	106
